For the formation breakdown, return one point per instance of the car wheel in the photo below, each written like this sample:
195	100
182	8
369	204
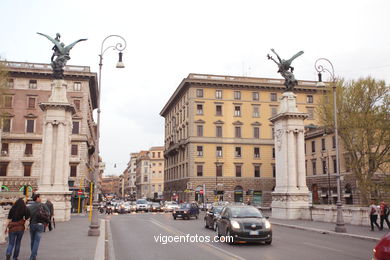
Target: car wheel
174	217
196	216
229	240
217	230
205	224
215	225
268	242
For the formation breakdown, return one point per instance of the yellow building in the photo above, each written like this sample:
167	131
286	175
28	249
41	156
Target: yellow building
218	136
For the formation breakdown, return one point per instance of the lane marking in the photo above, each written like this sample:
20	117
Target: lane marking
323	247
205	246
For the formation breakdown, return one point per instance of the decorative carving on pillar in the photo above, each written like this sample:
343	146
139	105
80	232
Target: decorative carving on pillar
279	134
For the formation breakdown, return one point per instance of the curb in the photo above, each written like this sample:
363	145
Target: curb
100	245
323	231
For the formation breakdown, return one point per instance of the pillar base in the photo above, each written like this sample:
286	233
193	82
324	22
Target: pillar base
290	205
61	203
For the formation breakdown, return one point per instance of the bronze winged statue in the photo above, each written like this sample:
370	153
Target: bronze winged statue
60	54
286	70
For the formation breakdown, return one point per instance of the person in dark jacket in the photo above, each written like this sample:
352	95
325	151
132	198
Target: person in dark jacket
17	216
36	224
50	206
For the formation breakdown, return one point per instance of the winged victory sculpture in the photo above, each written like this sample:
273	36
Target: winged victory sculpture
60	54
286	70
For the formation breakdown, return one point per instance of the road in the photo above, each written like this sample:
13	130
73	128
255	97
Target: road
134	237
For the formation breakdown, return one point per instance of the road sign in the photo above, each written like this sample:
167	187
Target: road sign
201	191
79	192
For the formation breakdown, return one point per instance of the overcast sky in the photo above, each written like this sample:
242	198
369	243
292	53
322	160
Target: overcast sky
167	40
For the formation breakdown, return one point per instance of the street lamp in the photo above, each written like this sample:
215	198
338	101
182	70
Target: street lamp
120	46
340	226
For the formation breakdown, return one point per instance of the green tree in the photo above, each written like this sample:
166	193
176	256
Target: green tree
364	129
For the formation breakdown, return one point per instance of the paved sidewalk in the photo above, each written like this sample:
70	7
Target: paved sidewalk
361	232
69	240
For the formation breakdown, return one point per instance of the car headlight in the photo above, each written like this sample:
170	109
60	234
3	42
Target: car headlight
185	212
174	212
267	224
235	224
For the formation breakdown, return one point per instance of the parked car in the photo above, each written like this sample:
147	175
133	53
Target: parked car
244	223
382	249
156	207
142	205
186	211
170	206
133	206
211	217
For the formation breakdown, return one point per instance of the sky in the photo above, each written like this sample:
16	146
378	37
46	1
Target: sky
167	40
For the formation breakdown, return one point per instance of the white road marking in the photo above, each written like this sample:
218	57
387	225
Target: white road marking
323	247
205	246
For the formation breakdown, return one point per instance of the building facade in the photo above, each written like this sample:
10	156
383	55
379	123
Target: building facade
219	142
142	174
28	85
111	186
156	157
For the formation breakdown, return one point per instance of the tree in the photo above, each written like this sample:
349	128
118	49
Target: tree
364	129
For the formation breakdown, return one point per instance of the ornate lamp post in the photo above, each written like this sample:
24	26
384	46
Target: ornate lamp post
340	226
120	46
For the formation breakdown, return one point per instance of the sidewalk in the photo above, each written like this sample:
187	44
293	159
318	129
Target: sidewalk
69	240
361	232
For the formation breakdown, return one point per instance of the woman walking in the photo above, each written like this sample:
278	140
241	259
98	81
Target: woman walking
17	216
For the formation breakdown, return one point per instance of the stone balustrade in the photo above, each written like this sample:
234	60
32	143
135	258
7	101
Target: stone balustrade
352	214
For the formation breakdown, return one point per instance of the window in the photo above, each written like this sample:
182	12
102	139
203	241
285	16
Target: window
153	154
314	166
199	170
7	125
237	95
255	112
8	101
323	146
309	99
77	104
273	170
4	149
76	127
30	125
199	150
219	151
256	152
77	86
10	83
274	97
73	170
199	109
257	171
237	111
310	111
28	149
237	131
273	152
27	168
218	94
255	95
159	154
32	84
323	166
273	132
218	110
238	152
199	130
256	132
238	170
313	146
334	142
3	168
146	178
218	170
218	130
334	165
199	93
31	102
274	111
74	149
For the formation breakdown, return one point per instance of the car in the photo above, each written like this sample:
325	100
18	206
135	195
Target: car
155	207
142	205
170	206
211	217
133	206
382	249
186	211
244	223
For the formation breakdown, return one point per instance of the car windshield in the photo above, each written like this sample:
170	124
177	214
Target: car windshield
245	212
217	210
185	206
141	202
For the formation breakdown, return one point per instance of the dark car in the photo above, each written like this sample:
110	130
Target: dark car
211	217
244	223
382	249
186	211
155	207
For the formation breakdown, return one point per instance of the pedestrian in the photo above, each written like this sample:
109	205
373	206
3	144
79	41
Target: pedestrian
39	217
384	214
50	206
17	216
373	215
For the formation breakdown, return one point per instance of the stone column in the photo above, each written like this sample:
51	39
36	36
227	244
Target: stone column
53	183
301	162
291	158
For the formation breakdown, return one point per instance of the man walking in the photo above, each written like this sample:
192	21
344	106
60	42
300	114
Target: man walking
384	214
373	215
39	218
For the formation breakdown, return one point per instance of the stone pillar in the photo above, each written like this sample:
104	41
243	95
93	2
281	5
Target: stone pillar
57	126
290	200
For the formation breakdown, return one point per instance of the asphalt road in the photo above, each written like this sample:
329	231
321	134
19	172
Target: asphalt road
134	237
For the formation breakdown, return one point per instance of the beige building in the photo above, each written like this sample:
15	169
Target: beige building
111	185
29	84
218	135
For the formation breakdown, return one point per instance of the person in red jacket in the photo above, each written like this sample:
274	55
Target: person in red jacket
384	214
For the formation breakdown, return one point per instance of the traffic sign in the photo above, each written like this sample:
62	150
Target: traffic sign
79	192
201	191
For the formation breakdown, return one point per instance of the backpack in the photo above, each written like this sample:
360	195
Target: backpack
42	215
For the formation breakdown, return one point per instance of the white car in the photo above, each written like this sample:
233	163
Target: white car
170	206
142	205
